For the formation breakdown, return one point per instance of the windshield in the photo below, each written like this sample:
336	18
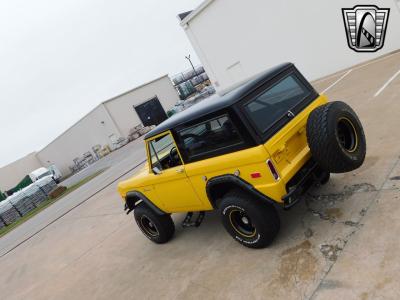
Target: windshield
48	173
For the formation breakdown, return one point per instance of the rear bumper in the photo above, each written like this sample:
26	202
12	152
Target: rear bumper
307	176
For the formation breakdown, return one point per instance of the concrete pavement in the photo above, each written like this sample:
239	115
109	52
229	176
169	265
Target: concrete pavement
340	242
126	159
129	152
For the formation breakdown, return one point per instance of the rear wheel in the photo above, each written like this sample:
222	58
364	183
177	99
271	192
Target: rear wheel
336	137
251	223
157	228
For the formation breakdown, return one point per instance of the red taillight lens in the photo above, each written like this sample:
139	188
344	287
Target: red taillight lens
255	175
272	169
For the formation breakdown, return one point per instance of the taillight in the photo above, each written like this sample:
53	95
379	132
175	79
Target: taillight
255	175
273	169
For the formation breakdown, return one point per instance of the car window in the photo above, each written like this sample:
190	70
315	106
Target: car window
163	152
275	103
48	173
214	135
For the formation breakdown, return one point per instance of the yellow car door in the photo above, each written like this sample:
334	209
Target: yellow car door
169	178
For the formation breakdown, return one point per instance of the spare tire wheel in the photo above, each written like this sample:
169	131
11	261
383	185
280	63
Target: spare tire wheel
336	137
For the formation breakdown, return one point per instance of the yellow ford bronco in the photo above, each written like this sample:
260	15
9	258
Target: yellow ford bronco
244	154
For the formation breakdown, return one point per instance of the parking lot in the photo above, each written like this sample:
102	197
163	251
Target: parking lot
339	242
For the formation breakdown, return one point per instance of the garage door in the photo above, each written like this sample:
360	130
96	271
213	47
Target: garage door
151	112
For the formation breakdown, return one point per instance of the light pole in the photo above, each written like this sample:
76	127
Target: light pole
195	73
188	58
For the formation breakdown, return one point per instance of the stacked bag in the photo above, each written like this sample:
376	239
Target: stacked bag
21	202
46	185
25	200
8	213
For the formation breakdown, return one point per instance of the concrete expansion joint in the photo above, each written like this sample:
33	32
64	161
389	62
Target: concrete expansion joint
332	252
96	216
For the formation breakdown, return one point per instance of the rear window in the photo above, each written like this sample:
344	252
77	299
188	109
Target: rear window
211	137
273	104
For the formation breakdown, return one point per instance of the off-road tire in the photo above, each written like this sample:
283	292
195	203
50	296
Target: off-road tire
162	227
263	217
336	137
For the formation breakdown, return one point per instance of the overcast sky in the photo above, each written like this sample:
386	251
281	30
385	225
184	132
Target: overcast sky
59	59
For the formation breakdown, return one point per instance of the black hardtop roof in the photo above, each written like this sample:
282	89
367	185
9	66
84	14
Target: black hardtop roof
215	102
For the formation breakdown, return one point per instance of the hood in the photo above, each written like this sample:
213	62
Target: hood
38	172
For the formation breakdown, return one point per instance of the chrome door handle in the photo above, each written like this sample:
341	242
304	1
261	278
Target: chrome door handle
179	170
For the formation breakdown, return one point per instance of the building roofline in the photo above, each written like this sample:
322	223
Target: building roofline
135	88
97	106
183	15
195	12
34	153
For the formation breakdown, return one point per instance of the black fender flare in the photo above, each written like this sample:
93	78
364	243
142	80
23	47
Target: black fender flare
133	198
231	181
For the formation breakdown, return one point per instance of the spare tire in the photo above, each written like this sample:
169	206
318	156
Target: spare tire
336	137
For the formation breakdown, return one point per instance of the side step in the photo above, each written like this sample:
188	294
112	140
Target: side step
187	222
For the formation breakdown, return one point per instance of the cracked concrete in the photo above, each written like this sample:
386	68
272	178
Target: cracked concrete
324	206
340	242
331	252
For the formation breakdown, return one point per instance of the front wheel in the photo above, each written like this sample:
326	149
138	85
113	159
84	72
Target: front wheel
248	221
157	228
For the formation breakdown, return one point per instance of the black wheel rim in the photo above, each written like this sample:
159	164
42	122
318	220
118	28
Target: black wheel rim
241	223
148	226
347	135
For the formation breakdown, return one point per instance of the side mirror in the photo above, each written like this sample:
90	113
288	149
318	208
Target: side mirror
156	171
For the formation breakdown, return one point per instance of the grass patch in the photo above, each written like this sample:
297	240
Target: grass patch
47	203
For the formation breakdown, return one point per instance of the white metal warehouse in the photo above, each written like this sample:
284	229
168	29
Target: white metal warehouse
238	39
109	121
12	174
106	123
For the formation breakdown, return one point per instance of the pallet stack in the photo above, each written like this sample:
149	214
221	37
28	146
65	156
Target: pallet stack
2	223
46	185
8	213
35	194
21	203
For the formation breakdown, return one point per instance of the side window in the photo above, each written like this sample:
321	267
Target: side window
163	152
214	136
273	104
